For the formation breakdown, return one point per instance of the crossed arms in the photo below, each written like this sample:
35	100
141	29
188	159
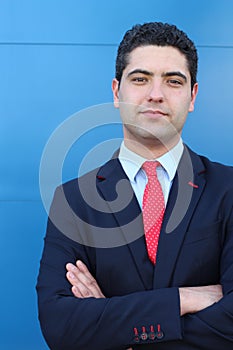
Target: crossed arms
75	312
192	299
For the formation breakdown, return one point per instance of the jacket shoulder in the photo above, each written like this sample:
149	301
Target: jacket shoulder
217	167
97	174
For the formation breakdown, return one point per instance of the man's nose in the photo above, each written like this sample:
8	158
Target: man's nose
155	92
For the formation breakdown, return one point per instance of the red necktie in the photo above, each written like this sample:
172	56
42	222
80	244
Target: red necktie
152	208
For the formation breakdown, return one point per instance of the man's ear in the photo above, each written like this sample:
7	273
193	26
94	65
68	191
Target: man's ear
193	97
115	91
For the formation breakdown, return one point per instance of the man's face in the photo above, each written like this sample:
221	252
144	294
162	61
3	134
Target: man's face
154	96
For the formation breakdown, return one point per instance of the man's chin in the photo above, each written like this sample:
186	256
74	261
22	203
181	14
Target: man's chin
147	134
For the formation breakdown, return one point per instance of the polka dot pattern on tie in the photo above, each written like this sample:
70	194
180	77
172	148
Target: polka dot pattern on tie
152	208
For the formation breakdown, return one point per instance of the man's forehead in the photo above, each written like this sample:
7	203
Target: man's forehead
155	51
156	58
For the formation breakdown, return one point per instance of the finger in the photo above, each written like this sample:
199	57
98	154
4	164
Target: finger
70	267
76	275
72	278
83	268
78	288
89	285
84	291
86	287
80	269
80	277
88	280
76	292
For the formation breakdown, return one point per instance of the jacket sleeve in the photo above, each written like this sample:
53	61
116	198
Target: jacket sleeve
71	323
215	323
116	322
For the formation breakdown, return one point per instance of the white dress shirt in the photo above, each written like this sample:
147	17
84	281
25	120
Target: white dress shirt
132	163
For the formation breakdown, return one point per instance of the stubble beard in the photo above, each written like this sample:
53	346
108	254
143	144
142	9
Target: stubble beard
165	136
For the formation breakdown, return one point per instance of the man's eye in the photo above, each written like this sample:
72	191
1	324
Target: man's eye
139	80
174	82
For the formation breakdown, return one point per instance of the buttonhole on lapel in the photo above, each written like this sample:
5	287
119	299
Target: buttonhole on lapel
202	172
192	184
100	178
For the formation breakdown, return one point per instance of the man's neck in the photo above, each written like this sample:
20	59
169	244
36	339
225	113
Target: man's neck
150	150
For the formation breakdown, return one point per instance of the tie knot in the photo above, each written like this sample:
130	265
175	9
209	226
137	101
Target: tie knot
150	168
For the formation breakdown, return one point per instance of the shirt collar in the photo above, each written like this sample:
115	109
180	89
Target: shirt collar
132	162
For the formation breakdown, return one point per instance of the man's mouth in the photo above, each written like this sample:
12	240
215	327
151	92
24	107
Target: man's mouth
153	113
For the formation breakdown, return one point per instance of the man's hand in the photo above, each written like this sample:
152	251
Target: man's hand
83	283
194	299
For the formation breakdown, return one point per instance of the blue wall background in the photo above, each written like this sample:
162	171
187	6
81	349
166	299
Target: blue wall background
56	58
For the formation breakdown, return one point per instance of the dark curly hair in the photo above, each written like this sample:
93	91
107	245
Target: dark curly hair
160	34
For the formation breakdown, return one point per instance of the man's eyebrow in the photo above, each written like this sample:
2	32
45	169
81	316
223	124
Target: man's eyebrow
151	74
175	73
140	71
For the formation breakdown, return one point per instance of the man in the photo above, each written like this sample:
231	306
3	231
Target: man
165	283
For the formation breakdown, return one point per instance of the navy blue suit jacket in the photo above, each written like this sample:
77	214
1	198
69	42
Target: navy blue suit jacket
97	219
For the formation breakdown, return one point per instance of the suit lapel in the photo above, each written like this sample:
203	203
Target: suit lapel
127	217
184	195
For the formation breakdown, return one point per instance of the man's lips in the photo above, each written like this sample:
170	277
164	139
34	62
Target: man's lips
153	113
